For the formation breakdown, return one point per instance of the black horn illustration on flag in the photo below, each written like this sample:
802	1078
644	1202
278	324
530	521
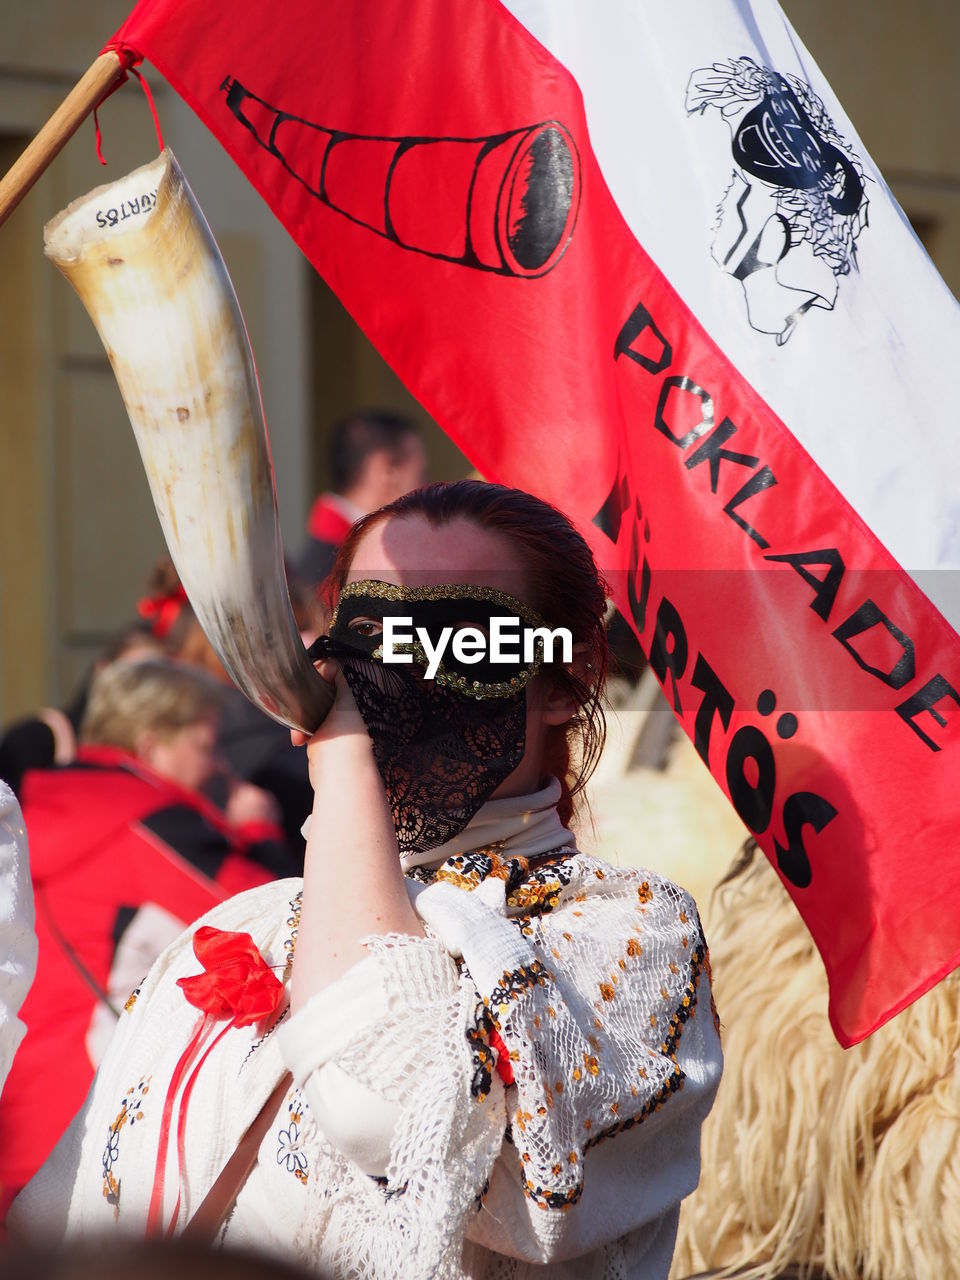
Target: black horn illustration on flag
505	203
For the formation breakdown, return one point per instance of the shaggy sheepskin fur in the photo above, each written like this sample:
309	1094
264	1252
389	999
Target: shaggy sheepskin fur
844	1161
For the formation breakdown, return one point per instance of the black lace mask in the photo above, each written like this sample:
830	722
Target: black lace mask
442	745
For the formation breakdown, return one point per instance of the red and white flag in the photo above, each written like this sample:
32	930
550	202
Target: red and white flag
634	258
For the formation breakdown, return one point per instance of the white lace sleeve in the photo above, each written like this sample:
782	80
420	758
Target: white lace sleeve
630	1180
442	1134
18	943
602	1001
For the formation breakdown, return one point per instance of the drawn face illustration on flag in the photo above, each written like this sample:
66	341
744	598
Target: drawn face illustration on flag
796	203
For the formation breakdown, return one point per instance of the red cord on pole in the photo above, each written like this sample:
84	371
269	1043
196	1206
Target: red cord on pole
129	58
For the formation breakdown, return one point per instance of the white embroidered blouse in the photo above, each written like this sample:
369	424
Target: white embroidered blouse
524	1085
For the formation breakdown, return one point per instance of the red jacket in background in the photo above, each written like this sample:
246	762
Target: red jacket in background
330	520
122	860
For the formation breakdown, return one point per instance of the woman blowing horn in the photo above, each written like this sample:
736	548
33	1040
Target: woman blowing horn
501	1049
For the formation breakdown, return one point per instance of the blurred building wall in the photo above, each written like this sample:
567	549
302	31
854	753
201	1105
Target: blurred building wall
77	527
893	65
78	531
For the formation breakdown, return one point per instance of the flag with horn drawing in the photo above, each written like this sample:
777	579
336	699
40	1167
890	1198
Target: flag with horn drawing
633	257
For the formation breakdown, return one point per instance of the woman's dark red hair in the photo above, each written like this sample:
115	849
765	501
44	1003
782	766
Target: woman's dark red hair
561	583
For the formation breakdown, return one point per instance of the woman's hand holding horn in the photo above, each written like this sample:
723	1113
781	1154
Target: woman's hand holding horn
353	884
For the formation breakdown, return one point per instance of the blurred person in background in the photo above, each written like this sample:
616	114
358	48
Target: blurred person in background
48	737
253	745
18	943
125	852
374	457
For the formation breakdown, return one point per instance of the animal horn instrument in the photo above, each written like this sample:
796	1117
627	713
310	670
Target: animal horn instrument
142	259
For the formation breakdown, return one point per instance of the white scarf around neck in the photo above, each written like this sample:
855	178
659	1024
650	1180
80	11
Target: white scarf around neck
523	826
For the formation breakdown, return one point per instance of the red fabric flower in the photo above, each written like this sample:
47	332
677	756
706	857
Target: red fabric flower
236	982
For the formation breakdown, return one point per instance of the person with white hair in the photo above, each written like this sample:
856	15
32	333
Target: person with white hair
125	851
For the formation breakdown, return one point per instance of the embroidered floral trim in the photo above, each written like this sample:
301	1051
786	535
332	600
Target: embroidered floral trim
131	1110
481	1053
688	1002
540	890
545	1199
488	1052
514	983
673	1084
290	942
281	1017
532	885
713	1004
383	1186
468	870
291	1150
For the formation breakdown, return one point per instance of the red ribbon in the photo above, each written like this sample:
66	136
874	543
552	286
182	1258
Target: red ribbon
129	58
504	1065
237	984
162	611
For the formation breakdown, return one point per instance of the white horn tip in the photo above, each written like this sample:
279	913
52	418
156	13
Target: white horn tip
108	211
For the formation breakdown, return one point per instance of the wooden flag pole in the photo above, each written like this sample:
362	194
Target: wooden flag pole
58	131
